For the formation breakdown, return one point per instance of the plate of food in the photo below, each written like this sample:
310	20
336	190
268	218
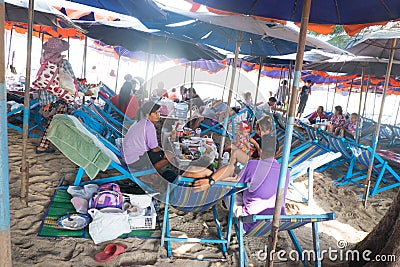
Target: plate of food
74	221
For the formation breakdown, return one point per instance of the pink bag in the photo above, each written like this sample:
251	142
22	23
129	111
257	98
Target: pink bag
48	79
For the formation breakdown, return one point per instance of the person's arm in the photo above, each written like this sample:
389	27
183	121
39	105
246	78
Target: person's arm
203	183
254	143
81	87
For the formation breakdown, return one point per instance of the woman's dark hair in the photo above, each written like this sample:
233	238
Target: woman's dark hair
339	109
147	108
125	95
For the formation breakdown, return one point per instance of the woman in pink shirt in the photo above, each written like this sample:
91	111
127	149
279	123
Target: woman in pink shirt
140	146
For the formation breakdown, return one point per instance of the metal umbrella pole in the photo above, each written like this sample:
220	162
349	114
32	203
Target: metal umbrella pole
365	98
358	128
257	88
5	236
146	77
226	80
25	163
375	139
228	106
273	238
116	78
348	99
334	95
373	109
84	59
397	114
327	95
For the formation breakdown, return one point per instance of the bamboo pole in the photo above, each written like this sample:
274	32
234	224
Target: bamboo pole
358	128
273	238
228	106
375	139
5	238
25	163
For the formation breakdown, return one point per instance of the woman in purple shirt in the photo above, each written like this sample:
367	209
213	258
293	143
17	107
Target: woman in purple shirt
140	146
262	176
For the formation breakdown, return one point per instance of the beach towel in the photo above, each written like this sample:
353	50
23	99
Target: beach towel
78	145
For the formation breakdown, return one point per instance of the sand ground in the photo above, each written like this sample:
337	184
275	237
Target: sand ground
352	223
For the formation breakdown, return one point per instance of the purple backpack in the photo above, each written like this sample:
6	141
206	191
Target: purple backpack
108	196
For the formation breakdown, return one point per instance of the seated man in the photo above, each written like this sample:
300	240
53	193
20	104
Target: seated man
262	175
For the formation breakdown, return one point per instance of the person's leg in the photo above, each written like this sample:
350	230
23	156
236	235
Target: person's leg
239	156
45	143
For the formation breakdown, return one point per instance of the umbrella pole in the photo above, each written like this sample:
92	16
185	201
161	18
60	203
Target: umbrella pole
365	98
378	124
290	84
358	128
68	49
226	80
116	78
273	238
5	239
25	163
348	99
373	110
152	72
334	95
257	88
327	95
238	81
397	114
84	58
228	106
146	77
9	47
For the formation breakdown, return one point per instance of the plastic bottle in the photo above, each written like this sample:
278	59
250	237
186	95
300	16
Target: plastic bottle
173	133
179	132
225	158
198	132
317	120
181	110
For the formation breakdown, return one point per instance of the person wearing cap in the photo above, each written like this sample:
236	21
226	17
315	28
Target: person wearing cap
140	146
303	98
52	50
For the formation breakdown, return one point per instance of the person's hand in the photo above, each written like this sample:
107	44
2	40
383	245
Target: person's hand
201	185
88	93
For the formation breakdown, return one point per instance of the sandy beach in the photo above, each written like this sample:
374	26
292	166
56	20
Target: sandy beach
352	223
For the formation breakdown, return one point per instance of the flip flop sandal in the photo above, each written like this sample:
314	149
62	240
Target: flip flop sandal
47	150
110	252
